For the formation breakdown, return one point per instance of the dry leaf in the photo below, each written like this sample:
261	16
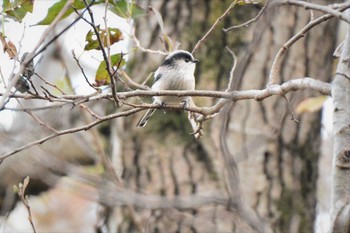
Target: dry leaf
8	47
311	104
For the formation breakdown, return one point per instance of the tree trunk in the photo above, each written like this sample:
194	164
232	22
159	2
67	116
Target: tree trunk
277	158
340	212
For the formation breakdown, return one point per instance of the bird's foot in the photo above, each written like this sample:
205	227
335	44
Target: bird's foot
184	104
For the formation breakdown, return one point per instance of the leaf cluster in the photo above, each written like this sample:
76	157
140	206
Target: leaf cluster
17	9
122	8
99	38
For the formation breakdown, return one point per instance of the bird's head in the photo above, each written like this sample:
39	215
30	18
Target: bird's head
180	60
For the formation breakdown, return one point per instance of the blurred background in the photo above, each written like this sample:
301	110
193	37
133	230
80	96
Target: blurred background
284	166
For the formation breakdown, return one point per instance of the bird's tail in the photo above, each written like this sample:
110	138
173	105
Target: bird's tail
143	121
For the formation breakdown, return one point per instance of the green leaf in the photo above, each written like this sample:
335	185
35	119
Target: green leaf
136	11
18	9
126	9
56	8
120	8
115	35
53	11
91	42
102	76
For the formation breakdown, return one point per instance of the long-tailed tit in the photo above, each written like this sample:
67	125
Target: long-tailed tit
175	73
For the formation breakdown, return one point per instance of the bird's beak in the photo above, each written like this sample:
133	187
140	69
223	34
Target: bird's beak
195	61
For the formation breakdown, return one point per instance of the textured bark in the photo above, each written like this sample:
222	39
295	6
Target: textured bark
340	213
276	157
276	154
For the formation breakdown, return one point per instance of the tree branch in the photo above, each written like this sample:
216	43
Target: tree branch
110	70
292	85
213	26
225	98
69	131
246	24
317	7
36	52
276	65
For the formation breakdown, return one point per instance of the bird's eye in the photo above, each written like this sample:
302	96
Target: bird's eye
187	59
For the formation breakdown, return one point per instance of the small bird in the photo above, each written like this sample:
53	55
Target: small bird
23	84
175	73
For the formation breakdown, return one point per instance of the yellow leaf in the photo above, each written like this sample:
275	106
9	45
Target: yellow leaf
311	104
102	75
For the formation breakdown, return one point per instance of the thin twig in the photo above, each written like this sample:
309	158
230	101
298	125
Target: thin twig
92	113
132	82
246	24
83	72
37	119
80	16
109	67
138	45
276	65
69	131
35	52
21	193
235	60
290	110
56	105
213	26
2	78
50	84
317	7
312	15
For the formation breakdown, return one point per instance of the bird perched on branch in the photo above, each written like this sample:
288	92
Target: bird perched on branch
175	73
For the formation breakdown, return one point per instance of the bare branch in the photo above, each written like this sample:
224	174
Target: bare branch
292	85
235	60
325	9
36	52
21	189
225	98
290	109
276	65
2	78
246	24
55	105
106	58
138	45
83	72
69	131
112	195
37	119
213	26
132	82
